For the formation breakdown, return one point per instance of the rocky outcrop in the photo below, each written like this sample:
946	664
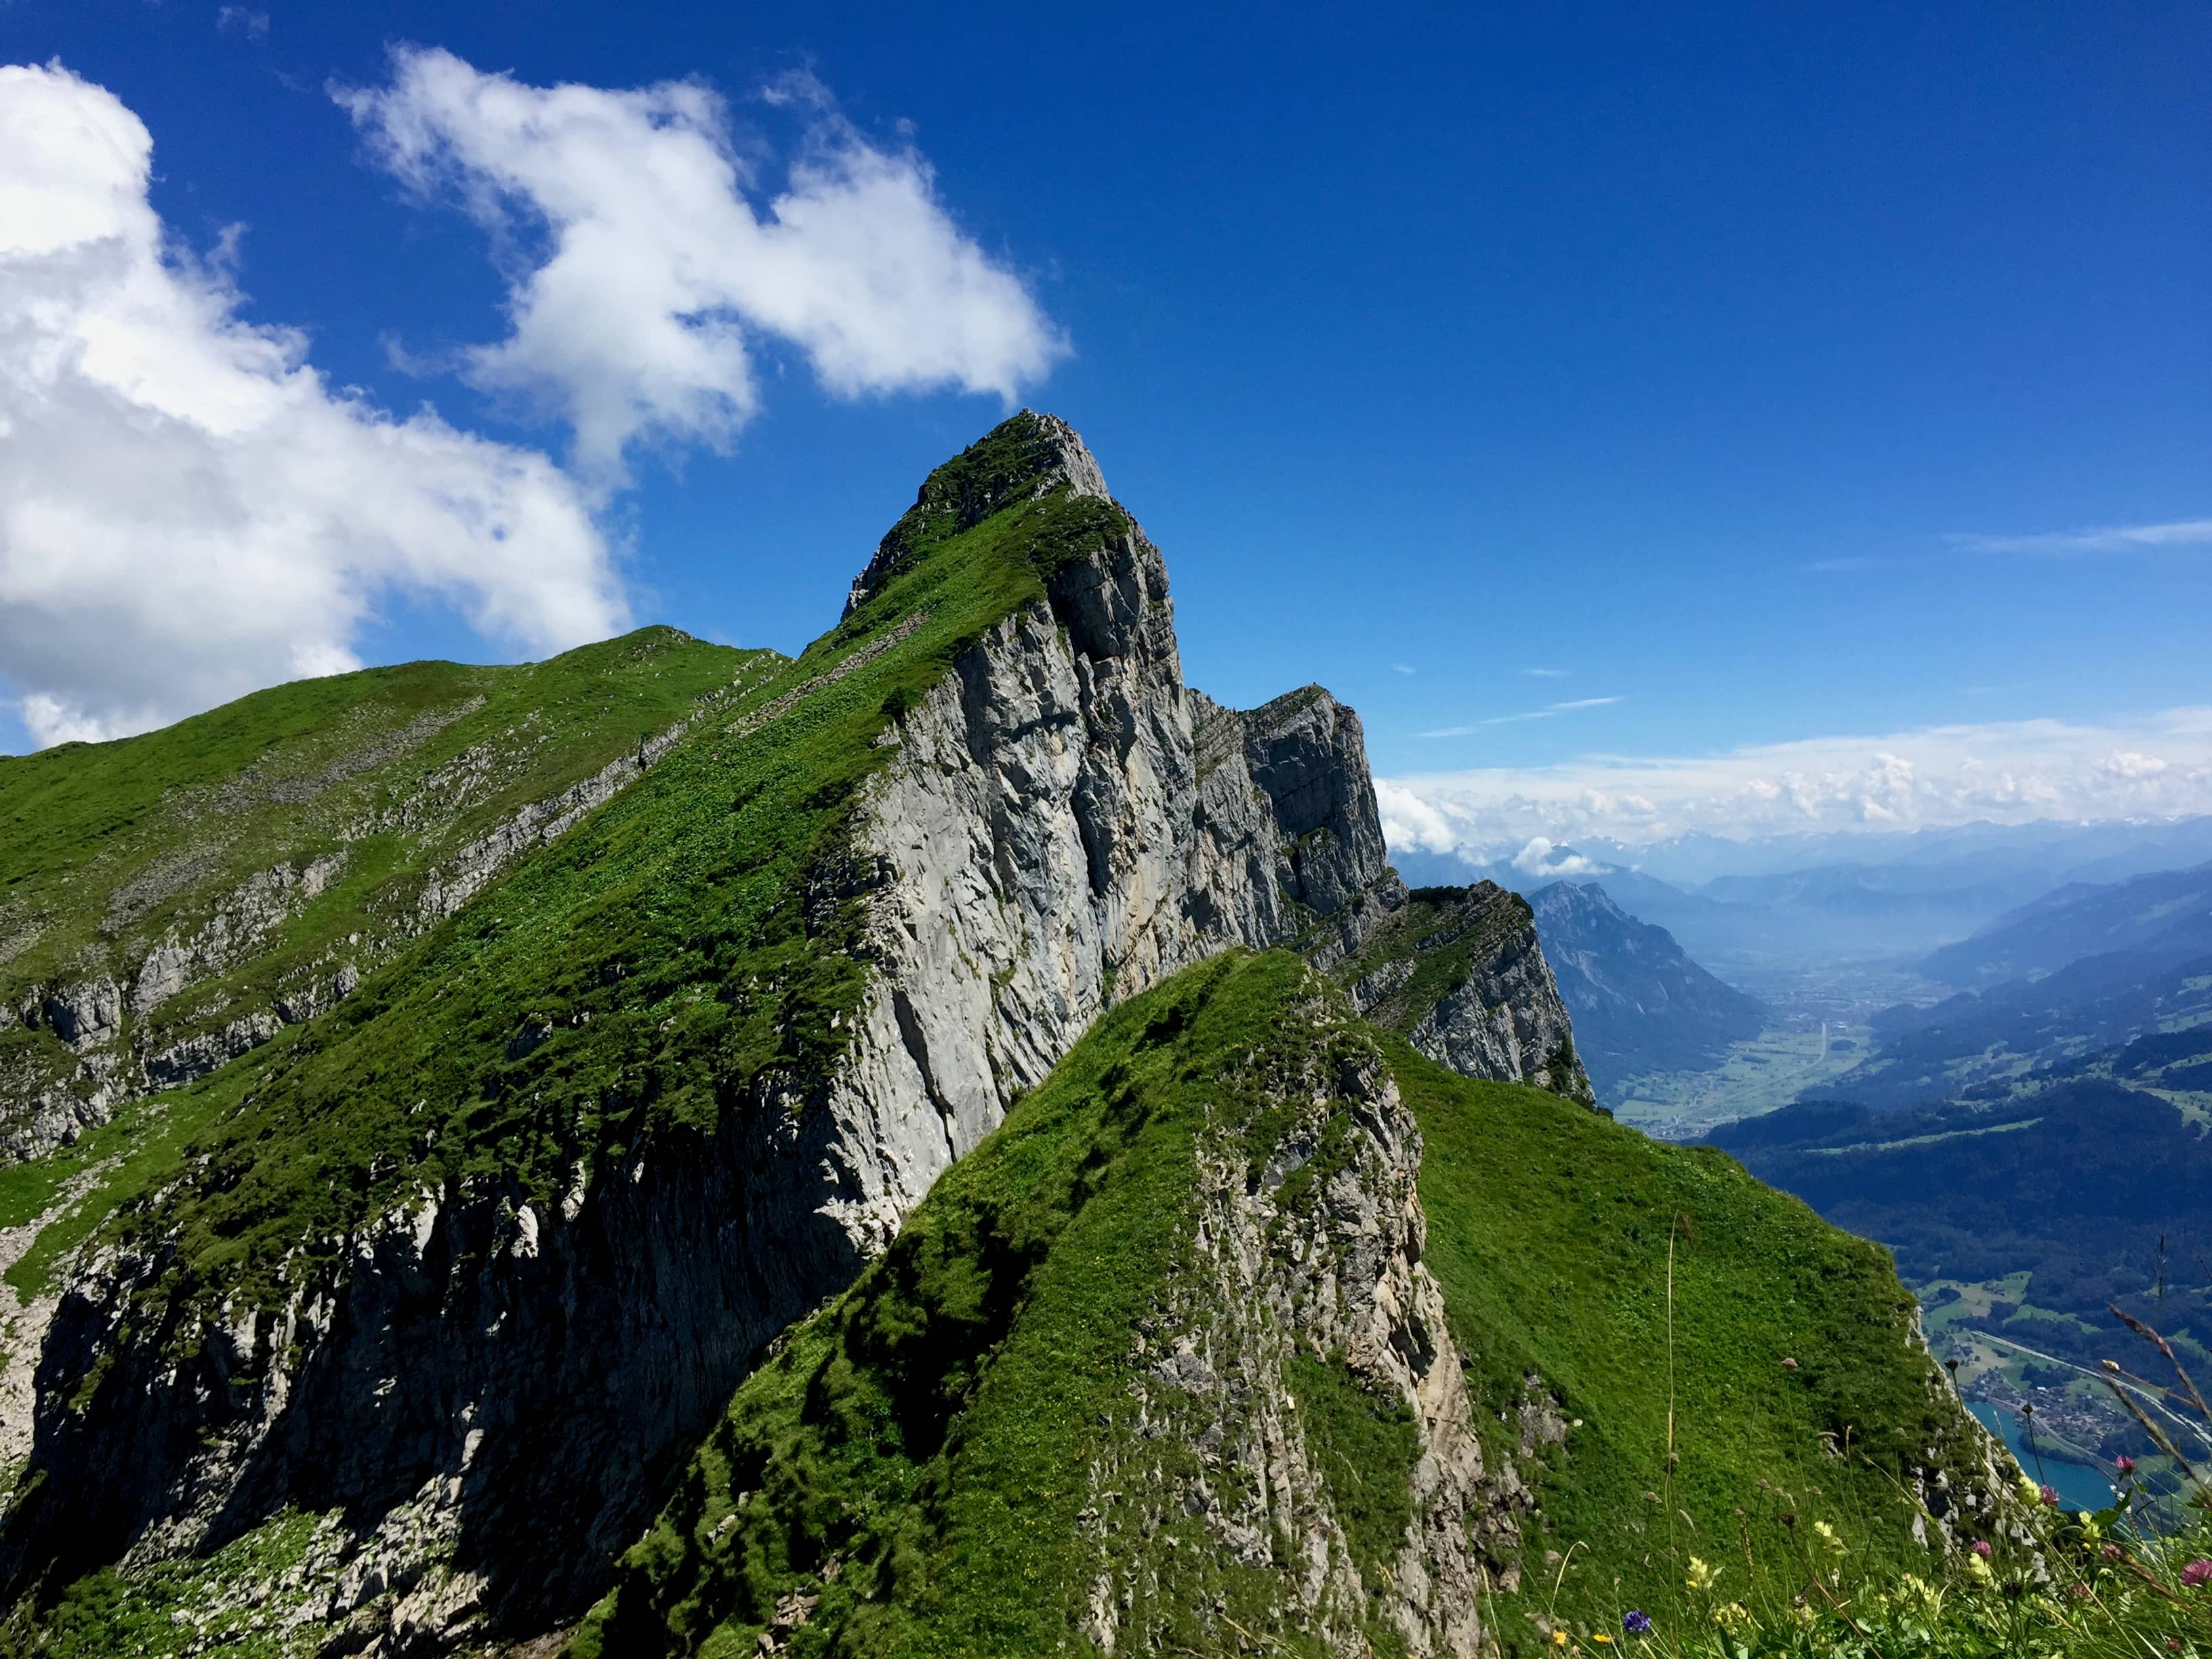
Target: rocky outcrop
1061	823
1064	826
1025	459
107	1045
1505	1020
1460	973
1318	1260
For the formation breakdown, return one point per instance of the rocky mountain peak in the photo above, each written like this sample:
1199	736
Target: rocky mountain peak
1026	457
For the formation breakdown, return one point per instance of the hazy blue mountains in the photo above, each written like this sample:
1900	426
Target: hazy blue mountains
1640	1004
2166	916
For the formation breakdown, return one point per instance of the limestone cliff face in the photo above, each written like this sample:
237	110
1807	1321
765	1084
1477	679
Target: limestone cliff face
498	1394
1064	825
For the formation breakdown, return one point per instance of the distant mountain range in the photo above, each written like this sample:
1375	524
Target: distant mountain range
2162	917
1807	901
1640	1004
2047	852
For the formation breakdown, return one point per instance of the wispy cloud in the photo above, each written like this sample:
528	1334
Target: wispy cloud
2111	538
2149	766
1401	668
1546	673
1543	714
1833	566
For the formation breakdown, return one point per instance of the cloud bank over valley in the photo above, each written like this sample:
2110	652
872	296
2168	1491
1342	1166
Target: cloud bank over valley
2158	766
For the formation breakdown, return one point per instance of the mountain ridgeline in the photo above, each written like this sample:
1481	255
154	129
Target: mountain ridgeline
958	1141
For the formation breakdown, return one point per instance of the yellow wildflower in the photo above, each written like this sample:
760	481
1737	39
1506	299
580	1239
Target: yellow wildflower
1702	1574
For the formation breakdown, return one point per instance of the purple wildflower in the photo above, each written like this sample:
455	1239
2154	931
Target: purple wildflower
1635	1622
2126	1466
1982	1548
2050	1497
2196	1573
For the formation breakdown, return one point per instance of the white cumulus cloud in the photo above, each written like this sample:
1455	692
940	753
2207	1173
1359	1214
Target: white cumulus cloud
187	509
2154	766
647	253
1541	857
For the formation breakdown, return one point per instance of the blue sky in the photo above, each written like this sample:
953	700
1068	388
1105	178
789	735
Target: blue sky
1753	372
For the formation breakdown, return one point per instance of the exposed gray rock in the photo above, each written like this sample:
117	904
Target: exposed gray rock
1459	970
115	1048
1505	1021
1330	1271
23	1321
83	1015
1046	845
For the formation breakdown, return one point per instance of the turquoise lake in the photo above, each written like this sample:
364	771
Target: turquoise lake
2078	1486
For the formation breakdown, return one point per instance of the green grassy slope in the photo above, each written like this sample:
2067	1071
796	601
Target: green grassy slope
108	849
1549	1229
915	1455
103	840
931	1431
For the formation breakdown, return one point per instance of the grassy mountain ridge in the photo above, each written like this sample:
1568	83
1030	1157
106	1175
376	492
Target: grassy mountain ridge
158	890
914	1459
